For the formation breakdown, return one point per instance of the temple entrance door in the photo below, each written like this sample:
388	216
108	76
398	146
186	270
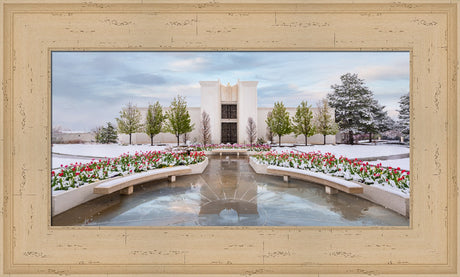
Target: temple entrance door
229	133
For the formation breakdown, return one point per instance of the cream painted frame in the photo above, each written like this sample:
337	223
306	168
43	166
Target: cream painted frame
30	30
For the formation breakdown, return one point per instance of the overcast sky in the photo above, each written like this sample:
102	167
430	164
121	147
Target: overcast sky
90	88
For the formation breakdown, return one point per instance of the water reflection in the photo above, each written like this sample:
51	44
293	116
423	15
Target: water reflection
229	193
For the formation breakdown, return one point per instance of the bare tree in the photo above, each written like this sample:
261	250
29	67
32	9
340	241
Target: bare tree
205	128
56	134
185	136
251	130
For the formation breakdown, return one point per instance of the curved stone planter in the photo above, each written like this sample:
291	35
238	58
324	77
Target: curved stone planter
65	200
394	201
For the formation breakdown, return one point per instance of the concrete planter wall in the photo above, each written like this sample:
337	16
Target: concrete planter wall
252	153
390	200
258	168
65	200
199	167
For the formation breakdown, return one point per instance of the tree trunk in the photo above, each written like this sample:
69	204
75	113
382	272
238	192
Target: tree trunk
350	137
151	140
370	137
306	140
129	138
279	140
177	136
324	139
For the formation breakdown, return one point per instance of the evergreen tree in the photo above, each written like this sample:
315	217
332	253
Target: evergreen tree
205	128
106	134
404	115
380	121
154	120
178	120
129	121
279	122
303	121
110	134
383	122
352	101
324	123
251	130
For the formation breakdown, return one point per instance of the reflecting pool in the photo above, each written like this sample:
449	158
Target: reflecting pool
230	193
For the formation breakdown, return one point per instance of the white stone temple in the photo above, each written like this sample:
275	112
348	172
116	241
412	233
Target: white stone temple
229	108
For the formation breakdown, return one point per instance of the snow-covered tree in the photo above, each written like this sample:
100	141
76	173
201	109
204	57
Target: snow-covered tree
325	125
154	120
380	121
302	122
251	130
384	122
279	122
129	121
178	120
404	115
205	128
351	100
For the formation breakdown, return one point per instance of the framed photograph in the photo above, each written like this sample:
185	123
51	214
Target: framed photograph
113	125
45	47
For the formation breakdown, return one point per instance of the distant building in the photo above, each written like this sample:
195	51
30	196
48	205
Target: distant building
229	108
72	137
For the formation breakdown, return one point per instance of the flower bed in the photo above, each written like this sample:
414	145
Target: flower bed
210	147
79	174
348	169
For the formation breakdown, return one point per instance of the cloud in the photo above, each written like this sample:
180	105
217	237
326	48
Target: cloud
274	90
290	94
166	94
188	64
144	79
267	77
219	62
385	72
240	61
83	82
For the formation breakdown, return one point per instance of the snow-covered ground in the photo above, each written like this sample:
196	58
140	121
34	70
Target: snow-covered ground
102	150
402	163
115	150
357	151
58	161
95	150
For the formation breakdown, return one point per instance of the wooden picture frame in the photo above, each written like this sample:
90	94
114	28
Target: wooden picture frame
31	30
